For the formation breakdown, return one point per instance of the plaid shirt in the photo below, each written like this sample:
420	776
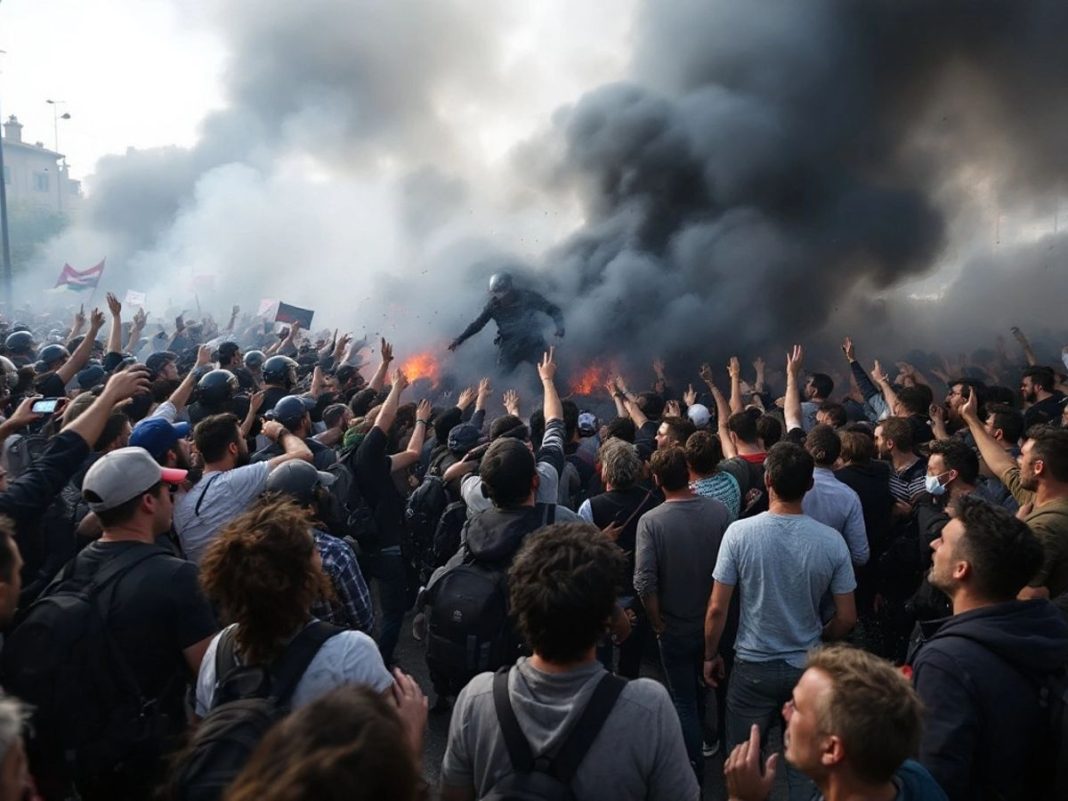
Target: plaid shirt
352	607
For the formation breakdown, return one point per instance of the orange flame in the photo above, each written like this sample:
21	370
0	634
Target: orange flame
592	379
422	365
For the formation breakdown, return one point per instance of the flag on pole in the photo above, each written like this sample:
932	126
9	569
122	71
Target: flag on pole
294	314
80	279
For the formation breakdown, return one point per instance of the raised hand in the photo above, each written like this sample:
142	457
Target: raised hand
485	389
466	397
255	403
126	384
96	320
114	306
79	317
734	368
385	349
877	373
511	402
794	359
689	397
758	365
742	770
658	368
203	355
400	380
139	319
547	367
849	350
671	409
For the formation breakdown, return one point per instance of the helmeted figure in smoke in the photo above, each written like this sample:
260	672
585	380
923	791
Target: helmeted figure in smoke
519	332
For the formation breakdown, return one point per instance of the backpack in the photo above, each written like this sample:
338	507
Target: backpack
22	451
347	513
545	779
448	532
63	660
424	509
468	626
248	701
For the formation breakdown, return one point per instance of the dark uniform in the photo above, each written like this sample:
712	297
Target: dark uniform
519	332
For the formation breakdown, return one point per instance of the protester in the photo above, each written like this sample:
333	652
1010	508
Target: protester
830	501
853	724
1039	483
783	563
264	574
980	672
563	587
229	482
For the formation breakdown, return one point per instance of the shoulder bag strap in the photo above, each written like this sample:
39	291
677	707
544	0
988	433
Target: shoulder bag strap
518	748
639	508
586	729
289	668
207	486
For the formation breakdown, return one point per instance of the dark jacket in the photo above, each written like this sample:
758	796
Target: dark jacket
978	674
871	482
625	507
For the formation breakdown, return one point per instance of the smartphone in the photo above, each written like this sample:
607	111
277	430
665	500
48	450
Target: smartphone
45	405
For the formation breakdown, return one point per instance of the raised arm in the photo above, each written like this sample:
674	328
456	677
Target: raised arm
997	458
723	412
414	452
136	328
82	353
378	380
792	401
115	334
734	371
184	391
387	413
476	326
882	380
89	425
553	408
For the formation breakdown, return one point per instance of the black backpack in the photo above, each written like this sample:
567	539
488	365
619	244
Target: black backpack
248	701
23	451
468	626
63	661
347	513
424	509
447	534
545	779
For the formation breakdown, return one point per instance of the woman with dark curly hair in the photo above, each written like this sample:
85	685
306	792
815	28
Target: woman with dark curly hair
263	573
349	745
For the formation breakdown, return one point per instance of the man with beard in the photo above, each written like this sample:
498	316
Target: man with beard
980	672
519	338
230	483
1044	404
1039	483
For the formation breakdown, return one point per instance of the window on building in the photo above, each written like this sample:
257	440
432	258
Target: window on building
40	181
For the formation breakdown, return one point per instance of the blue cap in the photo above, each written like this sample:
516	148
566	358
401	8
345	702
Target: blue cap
463	438
157	435
290	409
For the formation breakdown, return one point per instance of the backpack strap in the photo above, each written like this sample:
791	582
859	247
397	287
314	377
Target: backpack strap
518	747
119	565
289	668
225	654
588	726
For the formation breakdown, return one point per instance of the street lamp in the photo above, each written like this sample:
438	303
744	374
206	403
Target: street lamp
61	171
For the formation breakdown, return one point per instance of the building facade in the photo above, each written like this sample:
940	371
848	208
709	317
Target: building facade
35	176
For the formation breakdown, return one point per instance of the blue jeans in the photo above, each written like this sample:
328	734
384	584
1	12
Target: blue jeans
682	659
387	568
756	694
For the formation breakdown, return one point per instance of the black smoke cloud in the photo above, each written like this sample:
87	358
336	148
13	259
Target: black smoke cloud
772	166
765	172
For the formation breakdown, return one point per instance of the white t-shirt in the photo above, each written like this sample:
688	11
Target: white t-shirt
349	657
227	495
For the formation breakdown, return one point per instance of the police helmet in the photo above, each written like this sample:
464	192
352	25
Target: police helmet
49	355
299	480
254	359
280	370
217	386
500	282
20	342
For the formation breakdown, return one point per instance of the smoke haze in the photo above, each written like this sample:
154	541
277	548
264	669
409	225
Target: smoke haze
753	174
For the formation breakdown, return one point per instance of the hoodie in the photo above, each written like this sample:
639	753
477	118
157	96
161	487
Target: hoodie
979	674
637	756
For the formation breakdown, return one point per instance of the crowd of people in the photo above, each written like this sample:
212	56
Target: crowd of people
838	584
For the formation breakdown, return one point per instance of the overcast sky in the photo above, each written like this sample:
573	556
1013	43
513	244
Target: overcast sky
143	73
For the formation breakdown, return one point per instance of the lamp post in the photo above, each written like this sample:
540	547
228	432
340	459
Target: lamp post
61	171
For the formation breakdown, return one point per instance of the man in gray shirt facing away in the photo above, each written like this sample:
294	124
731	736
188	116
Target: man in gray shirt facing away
562	588
782	563
675	554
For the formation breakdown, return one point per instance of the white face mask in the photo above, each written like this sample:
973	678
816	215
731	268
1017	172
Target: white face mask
933	487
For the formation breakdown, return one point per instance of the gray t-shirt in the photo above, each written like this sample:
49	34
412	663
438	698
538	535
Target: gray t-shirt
638	755
349	657
225	495
782	565
674	557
